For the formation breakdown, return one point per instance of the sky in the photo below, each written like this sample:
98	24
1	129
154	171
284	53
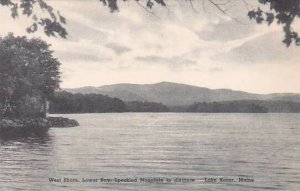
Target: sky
197	46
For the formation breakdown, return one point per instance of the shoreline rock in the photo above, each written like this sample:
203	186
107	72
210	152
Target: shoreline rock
37	123
61	122
24	123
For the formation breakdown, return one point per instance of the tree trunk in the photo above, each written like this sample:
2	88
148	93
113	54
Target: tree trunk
44	112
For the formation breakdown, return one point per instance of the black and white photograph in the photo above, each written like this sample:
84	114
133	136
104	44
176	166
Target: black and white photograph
149	95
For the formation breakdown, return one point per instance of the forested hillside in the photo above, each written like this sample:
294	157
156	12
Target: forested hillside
246	106
65	102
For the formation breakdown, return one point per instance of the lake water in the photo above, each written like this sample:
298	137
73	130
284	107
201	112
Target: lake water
260	147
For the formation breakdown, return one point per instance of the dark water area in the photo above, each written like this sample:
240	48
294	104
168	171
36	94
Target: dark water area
174	146
18	133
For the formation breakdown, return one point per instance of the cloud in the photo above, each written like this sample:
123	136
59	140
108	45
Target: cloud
68	56
216	69
266	48
118	49
174	63
225	30
206	48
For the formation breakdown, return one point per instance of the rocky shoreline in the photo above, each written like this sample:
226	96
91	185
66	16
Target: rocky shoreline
62	122
37	123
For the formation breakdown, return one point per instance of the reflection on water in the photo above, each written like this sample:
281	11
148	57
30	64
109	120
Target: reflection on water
25	133
260	146
24	155
24	136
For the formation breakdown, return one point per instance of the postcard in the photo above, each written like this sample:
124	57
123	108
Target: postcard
106	95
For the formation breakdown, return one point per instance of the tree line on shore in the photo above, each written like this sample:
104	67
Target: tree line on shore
246	106
65	102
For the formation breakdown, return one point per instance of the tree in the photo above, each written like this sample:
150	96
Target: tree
282	11
29	74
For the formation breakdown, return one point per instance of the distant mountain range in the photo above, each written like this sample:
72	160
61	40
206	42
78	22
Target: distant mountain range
174	94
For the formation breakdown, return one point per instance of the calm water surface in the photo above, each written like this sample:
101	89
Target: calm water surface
263	147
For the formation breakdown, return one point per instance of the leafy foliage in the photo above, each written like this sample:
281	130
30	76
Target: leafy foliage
52	23
283	12
28	74
113	4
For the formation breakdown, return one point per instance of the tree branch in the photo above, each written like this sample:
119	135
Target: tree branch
192	6
224	11
147	9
